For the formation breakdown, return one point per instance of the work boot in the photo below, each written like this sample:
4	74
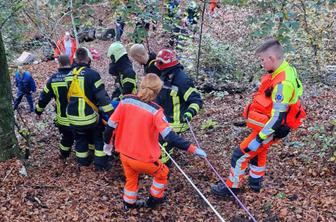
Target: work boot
137	204
219	189
255	185
64	154
101	168
153	202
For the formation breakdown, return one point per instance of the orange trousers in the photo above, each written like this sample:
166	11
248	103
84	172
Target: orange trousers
132	169
242	158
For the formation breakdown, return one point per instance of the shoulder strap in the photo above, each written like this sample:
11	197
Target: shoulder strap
76	90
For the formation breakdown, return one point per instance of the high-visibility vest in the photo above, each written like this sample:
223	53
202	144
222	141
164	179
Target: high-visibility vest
258	112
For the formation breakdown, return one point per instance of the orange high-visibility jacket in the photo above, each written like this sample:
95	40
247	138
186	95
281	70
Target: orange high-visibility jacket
60	48
137	127
278	92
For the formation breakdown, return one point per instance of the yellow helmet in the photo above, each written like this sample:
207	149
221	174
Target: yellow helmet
117	50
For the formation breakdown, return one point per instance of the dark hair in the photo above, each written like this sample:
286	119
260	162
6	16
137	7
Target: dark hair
64	60
271	44
82	55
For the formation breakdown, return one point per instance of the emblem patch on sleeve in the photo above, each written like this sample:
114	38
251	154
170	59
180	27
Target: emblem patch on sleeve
278	98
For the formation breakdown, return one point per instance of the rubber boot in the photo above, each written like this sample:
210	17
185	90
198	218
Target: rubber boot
137	204
153	202
219	189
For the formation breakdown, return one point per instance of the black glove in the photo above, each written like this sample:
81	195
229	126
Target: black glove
281	132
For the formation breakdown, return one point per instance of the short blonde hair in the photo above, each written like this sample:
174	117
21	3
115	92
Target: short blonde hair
272	45
150	87
137	49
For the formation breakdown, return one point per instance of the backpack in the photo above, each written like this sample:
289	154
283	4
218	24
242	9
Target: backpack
258	112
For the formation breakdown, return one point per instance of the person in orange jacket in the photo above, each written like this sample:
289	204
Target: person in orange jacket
213	5
66	46
136	124
274	111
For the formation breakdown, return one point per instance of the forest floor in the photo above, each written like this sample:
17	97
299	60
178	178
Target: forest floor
299	184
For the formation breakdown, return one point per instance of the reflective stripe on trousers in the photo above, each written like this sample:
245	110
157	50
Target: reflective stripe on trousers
241	159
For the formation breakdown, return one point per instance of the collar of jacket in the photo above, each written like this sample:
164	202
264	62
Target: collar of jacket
171	71
282	67
81	65
64	69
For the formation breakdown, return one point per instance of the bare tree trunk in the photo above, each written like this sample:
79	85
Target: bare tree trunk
73	23
8	142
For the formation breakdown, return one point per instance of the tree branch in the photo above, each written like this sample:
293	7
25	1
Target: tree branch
11	15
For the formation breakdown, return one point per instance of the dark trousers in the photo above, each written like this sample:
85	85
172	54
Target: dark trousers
119	30
67	140
18	99
83	139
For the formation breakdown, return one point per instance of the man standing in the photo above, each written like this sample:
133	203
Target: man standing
56	88
66	46
274	111
25	86
122	68
179	98
86	98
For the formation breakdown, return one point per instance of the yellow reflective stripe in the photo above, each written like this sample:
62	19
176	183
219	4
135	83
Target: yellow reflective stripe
188	93
62	120
82	121
81	107
100	153
176	106
45	89
130	80
262	136
65	148
179	127
82	154
194	106
54	87
255	122
107	108
79	118
68	78
98	83
91	147
39	109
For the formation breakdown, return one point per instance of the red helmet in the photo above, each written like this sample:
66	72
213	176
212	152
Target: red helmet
166	58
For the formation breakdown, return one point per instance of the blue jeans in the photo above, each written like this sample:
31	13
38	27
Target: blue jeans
18	99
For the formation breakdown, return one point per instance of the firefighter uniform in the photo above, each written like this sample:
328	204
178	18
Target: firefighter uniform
84	118
56	88
122	68
150	66
278	94
178	97
140	152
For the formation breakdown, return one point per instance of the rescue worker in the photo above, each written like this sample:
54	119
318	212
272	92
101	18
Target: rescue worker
213	6
25	86
137	123
147	60
269	116
191	14
56	88
178	97
121	67
66	46
86	98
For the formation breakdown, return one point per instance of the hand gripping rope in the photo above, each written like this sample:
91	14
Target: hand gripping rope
193	185
219	176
